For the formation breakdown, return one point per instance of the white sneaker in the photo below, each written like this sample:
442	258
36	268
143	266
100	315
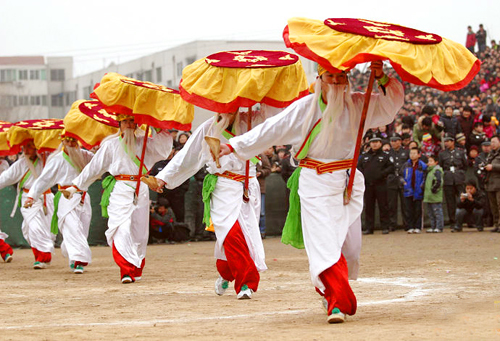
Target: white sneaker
221	285
127	279
336	316
78	269
138	278
429	230
245	293
438	231
416	231
410	231
40	265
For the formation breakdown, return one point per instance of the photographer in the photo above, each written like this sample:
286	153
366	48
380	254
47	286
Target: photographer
492	182
162	220
471	205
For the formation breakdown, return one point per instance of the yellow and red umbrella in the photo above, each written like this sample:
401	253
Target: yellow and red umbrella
151	104
422	58
4	144
89	122
44	133
225	81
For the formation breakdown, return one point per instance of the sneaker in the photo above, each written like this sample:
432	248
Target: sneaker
245	293
336	316
480	229
438	231
456	229
416	231
429	230
221	285
410	231
78	269
8	258
386	231
127	279
138	278
40	265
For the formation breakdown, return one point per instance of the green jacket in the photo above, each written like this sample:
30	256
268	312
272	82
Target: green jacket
433	192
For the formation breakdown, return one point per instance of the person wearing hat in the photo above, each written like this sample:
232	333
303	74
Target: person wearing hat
330	229
128	223
453	161
71	216
6	251
398	156
36	223
426	125
460	141
376	166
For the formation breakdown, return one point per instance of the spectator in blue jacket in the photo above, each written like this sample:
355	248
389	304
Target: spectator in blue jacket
414	177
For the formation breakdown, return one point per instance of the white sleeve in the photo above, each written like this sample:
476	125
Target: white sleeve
284	128
187	161
14	174
47	179
159	147
99	164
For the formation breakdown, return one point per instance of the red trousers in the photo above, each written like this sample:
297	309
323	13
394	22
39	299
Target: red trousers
127	269
239	266
5	249
338	292
42	257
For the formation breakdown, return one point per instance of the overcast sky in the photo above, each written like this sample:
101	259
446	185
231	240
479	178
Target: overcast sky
97	32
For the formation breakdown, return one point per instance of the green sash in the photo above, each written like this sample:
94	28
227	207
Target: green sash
292	231
23	180
208	187
108	184
54	227
227	134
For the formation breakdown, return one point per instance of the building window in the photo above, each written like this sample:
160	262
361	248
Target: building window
179	69
34	74
44	100
69	97
35	100
87	90
169	84
8	75
23	75
158	75
57	100
130	75
23	100
190	60
43	75
8	101
148	76
57	75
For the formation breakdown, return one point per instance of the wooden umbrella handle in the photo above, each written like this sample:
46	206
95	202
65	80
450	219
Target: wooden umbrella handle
348	190
246	197
141	164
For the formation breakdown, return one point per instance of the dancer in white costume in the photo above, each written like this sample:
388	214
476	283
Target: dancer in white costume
6	251
128	224
71	216
36	223
325	126
239	250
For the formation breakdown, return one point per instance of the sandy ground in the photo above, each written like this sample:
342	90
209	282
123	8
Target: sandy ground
411	287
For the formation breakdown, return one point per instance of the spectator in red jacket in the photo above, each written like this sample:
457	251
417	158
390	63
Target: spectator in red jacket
471	39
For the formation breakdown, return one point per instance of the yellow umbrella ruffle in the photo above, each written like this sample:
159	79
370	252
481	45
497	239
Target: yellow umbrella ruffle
151	104
44	133
89	131
4	145
445	65
225	89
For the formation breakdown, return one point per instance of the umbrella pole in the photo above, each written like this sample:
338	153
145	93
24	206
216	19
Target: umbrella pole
348	190
246	198
141	164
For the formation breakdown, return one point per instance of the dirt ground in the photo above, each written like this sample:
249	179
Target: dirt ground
411	287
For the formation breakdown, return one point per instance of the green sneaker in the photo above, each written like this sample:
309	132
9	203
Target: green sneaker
8	258
336	316
221	286
78	269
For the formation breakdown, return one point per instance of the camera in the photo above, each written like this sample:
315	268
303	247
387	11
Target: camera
463	195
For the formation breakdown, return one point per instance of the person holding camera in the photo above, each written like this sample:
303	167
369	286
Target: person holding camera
470	205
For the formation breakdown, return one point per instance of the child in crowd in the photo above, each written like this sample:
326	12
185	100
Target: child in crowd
413	190
433	194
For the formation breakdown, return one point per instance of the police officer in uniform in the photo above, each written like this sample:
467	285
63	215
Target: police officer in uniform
454	164
398	156
375	166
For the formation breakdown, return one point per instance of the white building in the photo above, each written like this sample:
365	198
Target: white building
34	87
163	67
